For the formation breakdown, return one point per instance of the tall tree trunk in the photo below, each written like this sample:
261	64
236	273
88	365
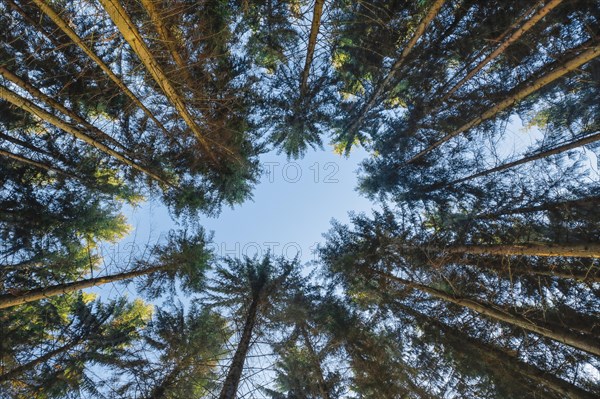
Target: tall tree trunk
230	386
39	165
16	372
431	14
478	53
59	107
556	73
312	43
495	357
535	18
131	34
529	158
316	362
30	107
574	250
64	26
167	39
591	275
583	204
19	298
557	333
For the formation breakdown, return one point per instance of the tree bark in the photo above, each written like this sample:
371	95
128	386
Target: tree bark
59	107
39	165
167	39
496	356
316	362
500	49
30	107
558	72
230	386
9	300
557	333
431	14
9	375
574	250
64	26
312	43
587	203
534	157
131	34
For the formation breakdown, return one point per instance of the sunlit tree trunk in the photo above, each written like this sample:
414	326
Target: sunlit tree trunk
30	107
59	107
312	43
575	250
20	298
168	39
535	18
530	158
131	34
431	14
499	357
64	26
557	333
558	72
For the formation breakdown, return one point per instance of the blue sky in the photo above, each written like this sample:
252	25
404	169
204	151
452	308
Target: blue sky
292	206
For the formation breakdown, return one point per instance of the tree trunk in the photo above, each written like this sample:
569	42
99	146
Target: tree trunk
59	107
592	275
513	38
534	157
495	357
9	375
36	164
560	334
168	39
30	107
20	298
312	43
316	363
230	386
431	14
574	250
64	26
558	72
131	34
585	204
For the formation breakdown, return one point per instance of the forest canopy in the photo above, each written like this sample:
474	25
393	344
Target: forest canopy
476	275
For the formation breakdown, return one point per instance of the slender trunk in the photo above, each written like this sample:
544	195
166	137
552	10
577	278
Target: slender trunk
585	204
167	39
24	144
534	157
312	43
230	386
495	356
39	165
59	107
500	49
557	333
476	55
9	375
30	107
431	14
574	250
316	362
591	275
9	300
64	26
131	34
556	73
